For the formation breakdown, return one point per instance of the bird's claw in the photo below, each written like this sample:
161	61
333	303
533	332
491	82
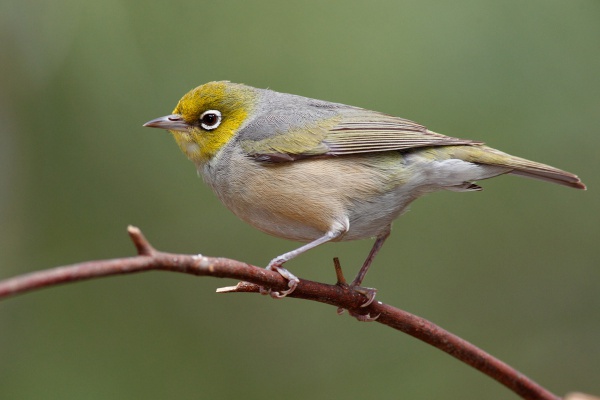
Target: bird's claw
363	318
280	295
369	293
291	278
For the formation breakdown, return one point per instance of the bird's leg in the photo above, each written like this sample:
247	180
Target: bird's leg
374	250
277	262
369	292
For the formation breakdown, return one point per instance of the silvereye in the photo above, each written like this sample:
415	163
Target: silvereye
314	171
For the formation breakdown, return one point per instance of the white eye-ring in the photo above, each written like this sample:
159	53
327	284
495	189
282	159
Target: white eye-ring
210	119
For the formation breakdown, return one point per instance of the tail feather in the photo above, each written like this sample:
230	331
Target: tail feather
520	166
554	176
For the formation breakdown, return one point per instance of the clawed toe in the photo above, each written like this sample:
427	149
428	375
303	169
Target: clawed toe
369	293
291	278
280	295
363	318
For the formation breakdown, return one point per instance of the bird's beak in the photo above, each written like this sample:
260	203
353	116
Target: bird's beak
173	122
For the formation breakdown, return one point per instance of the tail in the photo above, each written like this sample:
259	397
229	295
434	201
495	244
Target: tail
552	175
481	154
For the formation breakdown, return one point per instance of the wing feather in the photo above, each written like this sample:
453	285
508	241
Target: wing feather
368	131
287	135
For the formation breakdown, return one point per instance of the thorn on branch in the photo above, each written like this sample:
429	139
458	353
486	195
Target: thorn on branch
143	247
241	287
338	272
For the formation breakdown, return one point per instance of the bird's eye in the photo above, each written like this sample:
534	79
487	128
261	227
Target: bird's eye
210	119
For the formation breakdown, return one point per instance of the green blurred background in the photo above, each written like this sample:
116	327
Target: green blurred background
514	269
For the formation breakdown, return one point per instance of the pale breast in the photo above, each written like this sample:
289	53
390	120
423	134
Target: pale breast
302	200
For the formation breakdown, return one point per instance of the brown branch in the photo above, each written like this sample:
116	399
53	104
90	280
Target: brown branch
339	295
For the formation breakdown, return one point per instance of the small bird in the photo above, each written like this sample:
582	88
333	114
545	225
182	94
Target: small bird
314	171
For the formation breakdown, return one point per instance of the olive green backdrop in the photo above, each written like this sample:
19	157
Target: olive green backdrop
514	269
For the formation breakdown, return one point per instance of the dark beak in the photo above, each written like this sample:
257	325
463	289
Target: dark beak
173	122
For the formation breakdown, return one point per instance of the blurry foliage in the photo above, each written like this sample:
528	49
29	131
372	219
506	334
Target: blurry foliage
514	269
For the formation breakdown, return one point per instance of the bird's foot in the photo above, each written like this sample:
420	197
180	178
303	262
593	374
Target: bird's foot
292	279
363	318
369	293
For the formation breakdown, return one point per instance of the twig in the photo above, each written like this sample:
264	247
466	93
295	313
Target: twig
339	295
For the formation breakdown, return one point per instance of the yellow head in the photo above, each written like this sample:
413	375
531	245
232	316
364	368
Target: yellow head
207	117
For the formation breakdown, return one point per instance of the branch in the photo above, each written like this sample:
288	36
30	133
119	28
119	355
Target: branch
253	278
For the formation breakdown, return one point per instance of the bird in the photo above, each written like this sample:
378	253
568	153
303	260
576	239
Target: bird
315	171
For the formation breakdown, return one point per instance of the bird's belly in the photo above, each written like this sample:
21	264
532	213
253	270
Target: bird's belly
303	200
294	221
